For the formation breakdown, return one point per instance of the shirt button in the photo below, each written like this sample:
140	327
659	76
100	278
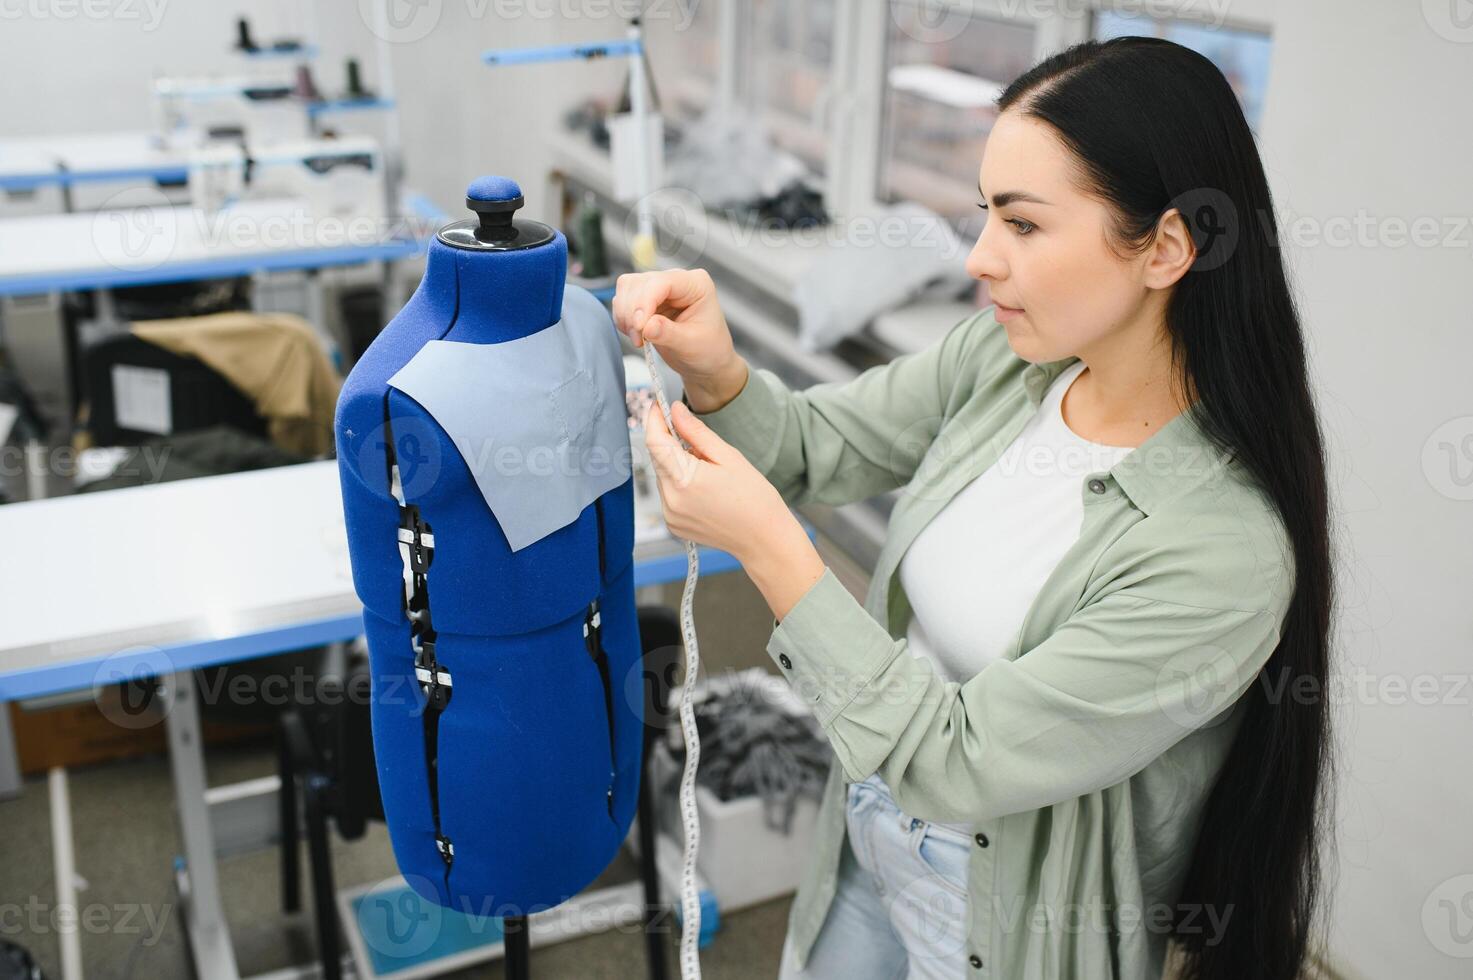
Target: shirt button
782	658
981	840
976	961
1097	486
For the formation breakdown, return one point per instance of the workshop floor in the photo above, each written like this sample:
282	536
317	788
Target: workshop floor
126	838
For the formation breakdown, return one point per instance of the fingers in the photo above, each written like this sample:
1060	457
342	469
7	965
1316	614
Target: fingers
672	462
639	296
636	296
698	435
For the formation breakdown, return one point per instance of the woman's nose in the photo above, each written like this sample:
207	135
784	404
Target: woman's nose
983	262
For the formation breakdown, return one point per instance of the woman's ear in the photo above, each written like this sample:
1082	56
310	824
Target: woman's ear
1172	252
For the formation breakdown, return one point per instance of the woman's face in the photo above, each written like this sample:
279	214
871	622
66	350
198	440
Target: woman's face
1048	256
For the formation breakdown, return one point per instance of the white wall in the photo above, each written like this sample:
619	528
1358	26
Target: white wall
1370	111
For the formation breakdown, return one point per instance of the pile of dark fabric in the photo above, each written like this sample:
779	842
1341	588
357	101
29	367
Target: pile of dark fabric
796	205
752	745
204	452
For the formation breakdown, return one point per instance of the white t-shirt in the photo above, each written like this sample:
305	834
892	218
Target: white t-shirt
973	572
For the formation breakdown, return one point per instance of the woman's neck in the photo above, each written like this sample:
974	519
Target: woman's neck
1128	389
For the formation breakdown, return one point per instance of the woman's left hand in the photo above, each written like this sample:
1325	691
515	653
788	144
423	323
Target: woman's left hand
714	497
711	494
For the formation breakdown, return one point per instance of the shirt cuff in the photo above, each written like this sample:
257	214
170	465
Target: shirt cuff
829	647
752	421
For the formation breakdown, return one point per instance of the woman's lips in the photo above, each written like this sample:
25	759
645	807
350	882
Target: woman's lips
1006	313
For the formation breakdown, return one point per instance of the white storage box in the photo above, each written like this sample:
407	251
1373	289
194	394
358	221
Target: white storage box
743	861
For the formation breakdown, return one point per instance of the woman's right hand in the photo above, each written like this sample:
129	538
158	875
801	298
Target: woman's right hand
677	311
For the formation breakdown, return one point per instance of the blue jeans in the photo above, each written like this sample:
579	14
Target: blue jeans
900	907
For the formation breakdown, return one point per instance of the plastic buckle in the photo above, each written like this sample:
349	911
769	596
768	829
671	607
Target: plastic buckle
592	626
434	679
417	541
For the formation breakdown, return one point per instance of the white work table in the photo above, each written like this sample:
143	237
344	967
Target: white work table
37	161
173	576
158	580
170	243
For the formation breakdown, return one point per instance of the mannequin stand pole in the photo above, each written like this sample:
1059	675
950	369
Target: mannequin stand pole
514	931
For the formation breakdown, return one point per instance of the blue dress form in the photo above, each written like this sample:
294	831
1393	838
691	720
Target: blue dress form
483	450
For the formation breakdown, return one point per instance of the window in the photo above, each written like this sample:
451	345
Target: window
684	47
790	51
939	94
1242	56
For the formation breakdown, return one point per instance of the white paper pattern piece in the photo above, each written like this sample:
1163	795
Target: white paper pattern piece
141	399
8	414
539	421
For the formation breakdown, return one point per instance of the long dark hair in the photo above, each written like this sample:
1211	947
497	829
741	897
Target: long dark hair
1154	126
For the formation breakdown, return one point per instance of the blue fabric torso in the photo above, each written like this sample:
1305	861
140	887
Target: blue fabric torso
525	747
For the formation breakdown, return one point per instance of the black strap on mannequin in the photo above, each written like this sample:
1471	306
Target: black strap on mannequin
417	550
593	640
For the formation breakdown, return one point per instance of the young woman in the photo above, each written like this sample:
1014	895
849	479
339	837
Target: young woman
1078	722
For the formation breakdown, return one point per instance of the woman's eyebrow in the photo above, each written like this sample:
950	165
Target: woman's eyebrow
1008	197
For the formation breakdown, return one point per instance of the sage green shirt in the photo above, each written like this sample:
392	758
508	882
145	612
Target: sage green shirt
1085	754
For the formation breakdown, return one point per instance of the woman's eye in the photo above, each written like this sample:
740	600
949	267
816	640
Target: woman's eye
1024	227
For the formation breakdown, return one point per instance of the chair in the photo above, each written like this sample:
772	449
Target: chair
326	758
197	396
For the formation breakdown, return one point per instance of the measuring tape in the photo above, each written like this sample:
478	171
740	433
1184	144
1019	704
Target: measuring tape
690	900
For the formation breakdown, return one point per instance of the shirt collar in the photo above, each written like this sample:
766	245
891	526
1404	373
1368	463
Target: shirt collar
1176	458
